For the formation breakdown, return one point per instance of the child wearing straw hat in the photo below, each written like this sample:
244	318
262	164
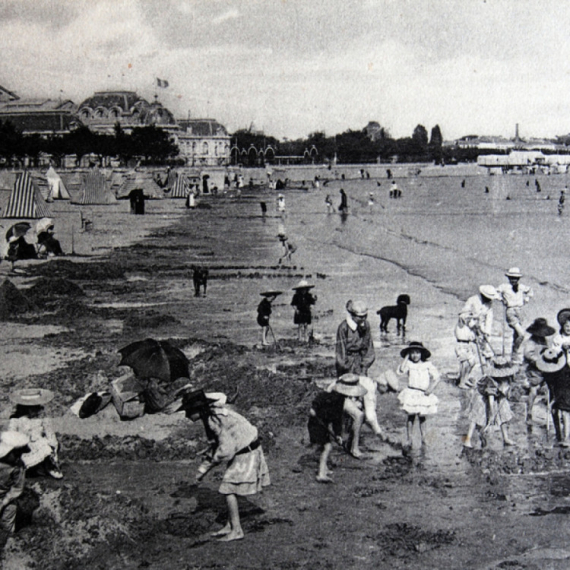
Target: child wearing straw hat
539	331
515	296
27	419
561	340
553	365
12	479
302	302
235	441
418	400
489	405
326	420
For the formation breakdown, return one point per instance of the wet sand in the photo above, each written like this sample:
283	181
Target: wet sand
439	507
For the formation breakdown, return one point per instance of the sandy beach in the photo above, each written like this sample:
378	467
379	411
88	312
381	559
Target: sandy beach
128	500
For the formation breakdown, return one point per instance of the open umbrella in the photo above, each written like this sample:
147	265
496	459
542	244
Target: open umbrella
151	358
18	230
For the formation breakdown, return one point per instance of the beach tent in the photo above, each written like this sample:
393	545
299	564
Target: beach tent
94	190
7	179
56	187
180	188
26	200
139	181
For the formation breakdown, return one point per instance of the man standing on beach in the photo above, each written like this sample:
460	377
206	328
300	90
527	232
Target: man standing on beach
514	296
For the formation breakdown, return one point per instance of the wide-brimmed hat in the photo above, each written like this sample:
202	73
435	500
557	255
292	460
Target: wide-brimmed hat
389	379
563	316
540	328
358	308
270	293
551	360
303	284
488	291
502	367
10	440
348	385
197	400
415	345
514	272
31	397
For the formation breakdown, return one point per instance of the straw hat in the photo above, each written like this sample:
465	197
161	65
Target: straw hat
216	399
270	293
389	379
10	440
488	291
303	284
414	345
563	316
358	308
514	272
550	360
502	367
31	397
348	385
540	328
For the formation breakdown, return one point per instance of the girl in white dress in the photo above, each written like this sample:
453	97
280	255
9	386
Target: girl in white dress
417	399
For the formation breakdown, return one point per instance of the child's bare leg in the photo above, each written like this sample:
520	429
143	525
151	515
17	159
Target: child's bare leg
323	474
533	392
467	442
422	420
264	335
565	428
409	429
506	439
465	368
357	415
235	532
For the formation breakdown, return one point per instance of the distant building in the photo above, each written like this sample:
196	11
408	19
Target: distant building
37	116
104	109
203	142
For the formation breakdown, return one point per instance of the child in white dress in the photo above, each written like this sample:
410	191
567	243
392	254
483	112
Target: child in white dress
417	399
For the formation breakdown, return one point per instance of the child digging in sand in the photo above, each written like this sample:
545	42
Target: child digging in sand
235	440
417	399
326	420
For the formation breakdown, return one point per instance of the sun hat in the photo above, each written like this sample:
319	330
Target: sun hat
216	399
415	345
563	316
270	293
10	440
514	272
488	291
197	400
550	360
358	308
389	379
31	397
502	367
540	328
348	385
303	284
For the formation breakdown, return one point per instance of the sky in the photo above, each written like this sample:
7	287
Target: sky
294	67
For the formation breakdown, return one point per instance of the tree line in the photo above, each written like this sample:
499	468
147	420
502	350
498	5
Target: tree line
149	145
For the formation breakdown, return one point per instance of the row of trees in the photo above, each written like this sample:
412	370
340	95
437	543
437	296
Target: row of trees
151	145
356	147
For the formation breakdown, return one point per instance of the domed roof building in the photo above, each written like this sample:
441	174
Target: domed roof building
104	109
203	142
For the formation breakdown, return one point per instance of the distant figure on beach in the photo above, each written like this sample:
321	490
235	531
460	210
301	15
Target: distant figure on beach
561	201
263	208
329	204
281	204
463	183
388	173
264	312
48	245
486	189
343	207
395	192
302	301
371	200
317	183
289	248
199	279
537	184
515	296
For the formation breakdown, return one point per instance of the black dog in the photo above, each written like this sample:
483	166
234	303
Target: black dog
398	312
200	278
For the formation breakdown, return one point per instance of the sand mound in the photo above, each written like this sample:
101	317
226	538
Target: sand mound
13	301
46	288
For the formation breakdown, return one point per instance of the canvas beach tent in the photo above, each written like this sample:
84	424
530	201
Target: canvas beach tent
56	187
95	190
180	188
140	181
26	200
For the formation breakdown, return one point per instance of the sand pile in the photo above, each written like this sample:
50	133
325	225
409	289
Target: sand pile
12	301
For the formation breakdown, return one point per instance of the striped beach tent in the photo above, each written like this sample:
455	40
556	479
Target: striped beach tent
26	200
180	188
95	190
